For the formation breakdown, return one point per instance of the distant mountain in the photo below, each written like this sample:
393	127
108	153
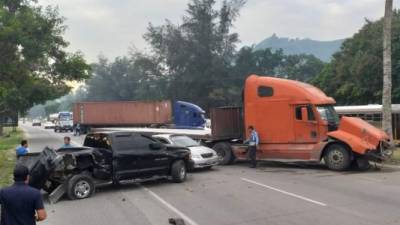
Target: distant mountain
321	49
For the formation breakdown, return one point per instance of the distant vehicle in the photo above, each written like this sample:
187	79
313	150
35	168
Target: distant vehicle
64	122
155	114
106	157
36	122
202	156
53	117
373	115
49	125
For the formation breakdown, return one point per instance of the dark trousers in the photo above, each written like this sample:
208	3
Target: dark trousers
253	155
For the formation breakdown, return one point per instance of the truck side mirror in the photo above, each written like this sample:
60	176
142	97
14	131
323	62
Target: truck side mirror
304	114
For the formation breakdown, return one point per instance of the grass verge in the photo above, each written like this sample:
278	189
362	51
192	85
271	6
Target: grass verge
395	159
8	143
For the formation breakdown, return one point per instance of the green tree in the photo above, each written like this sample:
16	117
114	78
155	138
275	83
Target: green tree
196	56
34	66
354	76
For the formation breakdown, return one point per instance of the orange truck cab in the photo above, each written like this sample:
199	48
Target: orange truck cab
295	121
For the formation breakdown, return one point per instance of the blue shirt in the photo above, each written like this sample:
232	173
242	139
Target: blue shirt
21	150
253	139
67	146
19	203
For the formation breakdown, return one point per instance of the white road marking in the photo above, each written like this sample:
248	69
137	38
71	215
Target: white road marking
284	192
371	179
171	207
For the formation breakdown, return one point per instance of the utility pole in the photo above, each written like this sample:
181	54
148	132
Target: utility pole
387	70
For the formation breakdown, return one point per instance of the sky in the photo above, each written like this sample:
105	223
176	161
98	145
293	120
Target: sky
112	27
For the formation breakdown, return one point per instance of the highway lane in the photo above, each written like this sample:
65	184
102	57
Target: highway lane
274	193
38	137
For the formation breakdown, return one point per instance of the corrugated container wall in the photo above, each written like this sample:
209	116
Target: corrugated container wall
226	123
123	113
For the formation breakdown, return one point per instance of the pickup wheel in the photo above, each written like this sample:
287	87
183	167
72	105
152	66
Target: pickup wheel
80	186
178	171
337	157
224	152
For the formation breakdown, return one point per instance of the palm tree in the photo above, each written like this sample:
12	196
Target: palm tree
387	70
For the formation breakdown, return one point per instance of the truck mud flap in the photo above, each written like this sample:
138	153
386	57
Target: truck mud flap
57	193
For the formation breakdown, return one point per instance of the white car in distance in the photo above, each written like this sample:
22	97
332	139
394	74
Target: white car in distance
49	125
202	156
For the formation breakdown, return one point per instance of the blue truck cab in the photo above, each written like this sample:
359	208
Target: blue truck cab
188	116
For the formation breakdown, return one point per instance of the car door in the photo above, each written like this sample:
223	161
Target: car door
152	161
126	157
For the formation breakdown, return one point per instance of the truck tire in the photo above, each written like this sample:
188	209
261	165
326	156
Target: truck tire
337	157
80	186
224	152
178	171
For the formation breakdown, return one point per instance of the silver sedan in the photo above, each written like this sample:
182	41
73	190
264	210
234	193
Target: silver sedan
202	156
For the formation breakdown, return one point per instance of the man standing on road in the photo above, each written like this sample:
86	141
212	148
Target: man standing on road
253	142
67	142
20	203
77	130
23	149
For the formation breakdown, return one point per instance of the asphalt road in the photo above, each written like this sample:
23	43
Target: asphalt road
272	194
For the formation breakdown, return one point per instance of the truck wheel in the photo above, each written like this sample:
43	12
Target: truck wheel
178	171
337	157
80	186
224	152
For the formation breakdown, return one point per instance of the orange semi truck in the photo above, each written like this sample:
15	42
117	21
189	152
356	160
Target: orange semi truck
295	122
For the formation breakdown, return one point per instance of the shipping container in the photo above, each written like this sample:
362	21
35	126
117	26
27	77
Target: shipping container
127	113
226	123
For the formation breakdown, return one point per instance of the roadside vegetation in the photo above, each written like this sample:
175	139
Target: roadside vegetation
396	156
8	142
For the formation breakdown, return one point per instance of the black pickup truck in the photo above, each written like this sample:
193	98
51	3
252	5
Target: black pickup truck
107	157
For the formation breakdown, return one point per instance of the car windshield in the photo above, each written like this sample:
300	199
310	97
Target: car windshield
328	113
184	141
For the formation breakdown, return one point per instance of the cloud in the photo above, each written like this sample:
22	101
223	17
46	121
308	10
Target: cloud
110	27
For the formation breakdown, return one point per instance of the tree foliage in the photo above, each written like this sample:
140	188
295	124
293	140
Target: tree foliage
195	56
195	61
355	73
34	65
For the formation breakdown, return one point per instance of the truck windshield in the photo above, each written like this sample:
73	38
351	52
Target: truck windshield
65	117
328	113
184	141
